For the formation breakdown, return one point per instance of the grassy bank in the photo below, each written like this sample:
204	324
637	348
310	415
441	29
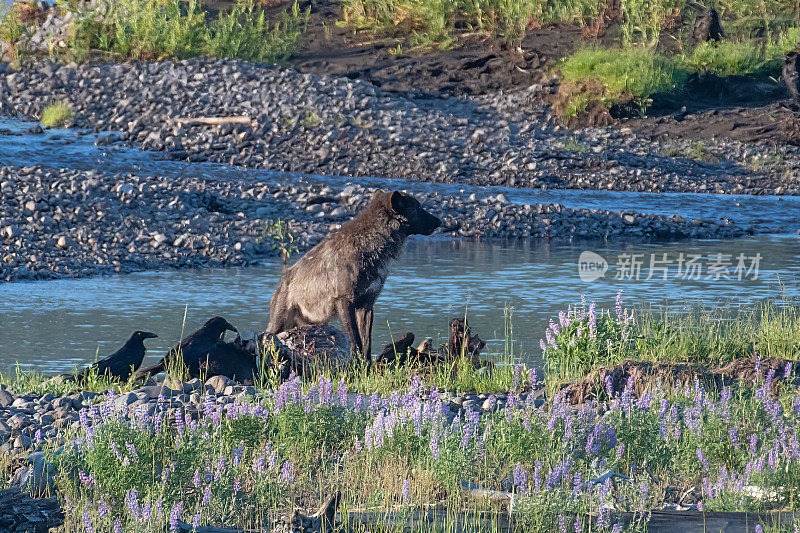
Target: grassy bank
637	74
158	29
441	24
395	452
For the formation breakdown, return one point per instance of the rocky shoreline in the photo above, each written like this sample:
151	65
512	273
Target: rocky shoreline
338	126
70	223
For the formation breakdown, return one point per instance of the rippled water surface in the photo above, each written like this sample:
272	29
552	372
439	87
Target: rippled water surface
53	325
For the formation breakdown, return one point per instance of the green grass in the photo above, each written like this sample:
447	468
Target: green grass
625	74
742	58
159	29
57	115
439	23
707	337
636	74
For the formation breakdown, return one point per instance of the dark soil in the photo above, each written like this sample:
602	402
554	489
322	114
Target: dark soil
773	123
479	65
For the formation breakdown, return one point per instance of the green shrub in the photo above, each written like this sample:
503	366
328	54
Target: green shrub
57	115
626	73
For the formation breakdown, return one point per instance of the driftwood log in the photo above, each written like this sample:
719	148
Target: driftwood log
217	121
322	521
649	375
440	518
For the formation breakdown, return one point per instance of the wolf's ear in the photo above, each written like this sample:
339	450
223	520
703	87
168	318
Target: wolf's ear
395	201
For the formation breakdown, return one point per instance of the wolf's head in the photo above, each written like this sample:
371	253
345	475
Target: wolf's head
413	218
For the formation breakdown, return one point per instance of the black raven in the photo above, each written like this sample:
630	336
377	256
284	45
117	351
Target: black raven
196	349
124	361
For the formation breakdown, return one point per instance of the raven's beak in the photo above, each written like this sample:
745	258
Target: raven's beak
148	335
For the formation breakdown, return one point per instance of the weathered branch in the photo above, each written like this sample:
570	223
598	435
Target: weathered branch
217	121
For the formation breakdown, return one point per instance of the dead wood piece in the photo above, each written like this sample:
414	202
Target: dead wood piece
645	374
300	348
463	342
753	369
397	350
217	121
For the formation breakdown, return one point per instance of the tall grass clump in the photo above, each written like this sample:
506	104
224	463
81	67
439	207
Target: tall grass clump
57	115
742	58
153	29
585	338
439	23
625	74
12	34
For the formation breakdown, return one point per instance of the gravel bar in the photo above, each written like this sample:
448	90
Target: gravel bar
57	223
338	126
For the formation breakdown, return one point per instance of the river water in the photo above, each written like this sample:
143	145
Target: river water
52	326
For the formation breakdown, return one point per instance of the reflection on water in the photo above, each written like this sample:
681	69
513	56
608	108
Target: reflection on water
54	325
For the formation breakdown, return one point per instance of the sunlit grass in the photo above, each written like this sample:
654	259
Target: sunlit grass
57	115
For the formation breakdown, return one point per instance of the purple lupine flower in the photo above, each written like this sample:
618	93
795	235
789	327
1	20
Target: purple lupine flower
753	443
175	516
702	458
406	490
551	341
86	479
619	305
617	528
206	496
434	446
592	321
147	512
134	457
603	518
609	386
542	345
117	525
520	478
759	528
237	485
180	424
733	433
132	502
37	437
341	389
533	378
196	480
562	524
102	508
287	472
87	523
196	521
578	525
